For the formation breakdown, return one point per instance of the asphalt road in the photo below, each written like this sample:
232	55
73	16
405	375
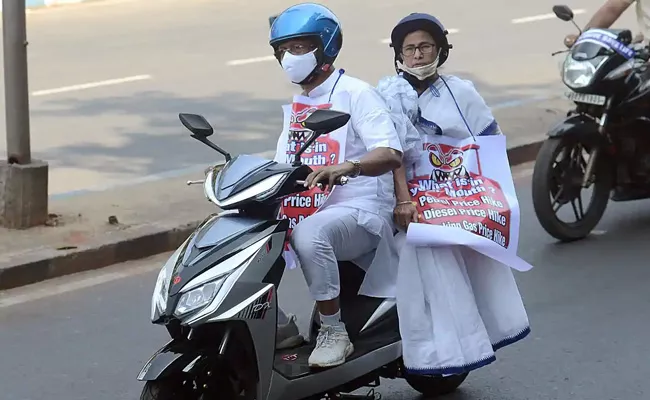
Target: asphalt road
109	78
87	336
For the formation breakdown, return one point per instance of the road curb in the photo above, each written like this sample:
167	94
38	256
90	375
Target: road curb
136	244
51	263
524	153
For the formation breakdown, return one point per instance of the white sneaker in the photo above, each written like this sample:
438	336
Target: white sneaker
288	335
332	347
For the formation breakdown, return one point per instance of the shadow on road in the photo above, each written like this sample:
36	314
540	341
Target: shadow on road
241	124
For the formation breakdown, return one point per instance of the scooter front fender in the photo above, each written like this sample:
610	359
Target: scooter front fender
167	361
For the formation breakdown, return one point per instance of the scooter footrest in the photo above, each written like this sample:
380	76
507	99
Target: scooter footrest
371	395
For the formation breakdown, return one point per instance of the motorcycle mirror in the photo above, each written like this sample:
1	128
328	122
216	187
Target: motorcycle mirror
197	124
272	20
563	12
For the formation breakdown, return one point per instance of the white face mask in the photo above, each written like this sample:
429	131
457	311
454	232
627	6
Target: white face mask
423	72
299	67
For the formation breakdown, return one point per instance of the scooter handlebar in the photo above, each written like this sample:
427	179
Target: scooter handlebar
342	181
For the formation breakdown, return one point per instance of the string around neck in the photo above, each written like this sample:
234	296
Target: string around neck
341	72
458	108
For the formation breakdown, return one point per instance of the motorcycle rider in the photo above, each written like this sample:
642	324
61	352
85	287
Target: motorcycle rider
609	12
355	221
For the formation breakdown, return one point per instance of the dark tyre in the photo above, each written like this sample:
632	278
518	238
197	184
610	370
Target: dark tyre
219	387
558	182
164	390
432	386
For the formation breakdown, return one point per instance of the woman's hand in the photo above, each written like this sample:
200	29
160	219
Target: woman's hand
405	213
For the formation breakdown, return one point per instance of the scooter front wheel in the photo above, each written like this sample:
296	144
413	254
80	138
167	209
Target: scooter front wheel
431	386
164	390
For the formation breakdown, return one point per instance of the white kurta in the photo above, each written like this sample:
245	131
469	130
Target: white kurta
643	18
370	127
456	306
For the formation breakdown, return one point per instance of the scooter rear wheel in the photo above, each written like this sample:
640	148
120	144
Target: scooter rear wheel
435	385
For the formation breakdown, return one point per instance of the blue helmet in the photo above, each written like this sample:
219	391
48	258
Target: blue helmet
309	20
420	21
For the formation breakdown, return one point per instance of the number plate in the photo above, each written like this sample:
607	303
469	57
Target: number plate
586	98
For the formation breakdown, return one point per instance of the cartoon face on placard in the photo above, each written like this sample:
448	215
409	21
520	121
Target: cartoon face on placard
300	112
449	162
450	190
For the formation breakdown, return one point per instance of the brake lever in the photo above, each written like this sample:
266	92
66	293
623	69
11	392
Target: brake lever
202	181
342	182
302	183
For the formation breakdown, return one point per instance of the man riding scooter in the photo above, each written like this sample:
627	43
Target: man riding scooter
351	222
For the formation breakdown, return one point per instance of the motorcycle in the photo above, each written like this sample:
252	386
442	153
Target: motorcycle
603	143
216	295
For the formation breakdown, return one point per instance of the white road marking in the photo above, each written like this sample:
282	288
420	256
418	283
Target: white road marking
542	17
69	5
251	60
91	85
451	31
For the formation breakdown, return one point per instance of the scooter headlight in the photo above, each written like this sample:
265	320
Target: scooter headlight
199	297
204	294
161	290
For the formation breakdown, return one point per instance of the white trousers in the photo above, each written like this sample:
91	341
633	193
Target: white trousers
324	238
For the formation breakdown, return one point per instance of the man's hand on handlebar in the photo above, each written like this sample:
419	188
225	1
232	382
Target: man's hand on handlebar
329	176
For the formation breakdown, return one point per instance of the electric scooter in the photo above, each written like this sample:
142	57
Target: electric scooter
216	295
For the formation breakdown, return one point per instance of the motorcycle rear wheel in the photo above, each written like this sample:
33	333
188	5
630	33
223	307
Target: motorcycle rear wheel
550	182
431	386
